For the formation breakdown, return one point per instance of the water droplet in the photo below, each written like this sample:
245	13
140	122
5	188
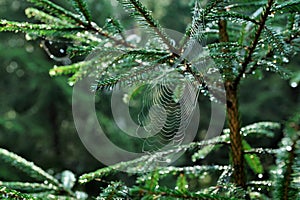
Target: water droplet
109	44
15	5
28	37
52	72
71	83
133	38
62	51
29	48
20	72
11	114
83	181
285	60
81	195
267	69
288	148
173	42
294	84
260	175
259	189
279	171
68	179
12	67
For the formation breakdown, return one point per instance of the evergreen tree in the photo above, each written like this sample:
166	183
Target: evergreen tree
244	38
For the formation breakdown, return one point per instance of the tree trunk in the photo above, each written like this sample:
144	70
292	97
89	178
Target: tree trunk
235	134
233	119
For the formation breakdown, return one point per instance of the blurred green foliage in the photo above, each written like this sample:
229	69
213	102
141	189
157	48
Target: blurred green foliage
36	118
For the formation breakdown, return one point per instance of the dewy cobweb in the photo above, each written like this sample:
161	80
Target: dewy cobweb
168	104
163	97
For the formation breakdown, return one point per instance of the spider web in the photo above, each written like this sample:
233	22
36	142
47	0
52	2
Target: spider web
168	105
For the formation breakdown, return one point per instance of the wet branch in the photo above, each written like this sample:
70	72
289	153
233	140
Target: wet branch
253	46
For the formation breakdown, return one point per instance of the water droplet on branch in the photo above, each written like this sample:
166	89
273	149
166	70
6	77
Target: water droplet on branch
294	84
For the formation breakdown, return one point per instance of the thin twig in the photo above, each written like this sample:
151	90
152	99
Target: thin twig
261	151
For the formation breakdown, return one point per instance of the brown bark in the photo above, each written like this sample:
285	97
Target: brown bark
233	119
235	134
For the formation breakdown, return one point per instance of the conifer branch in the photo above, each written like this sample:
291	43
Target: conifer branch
81	6
161	192
286	173
85	178
232	15
261	151
292	6
139	7
289	171
28	187
31	169
151	22
41	29
117	27
197	19
259	183
45	17
94	28
27	167
190	170
56	10
13	194
71	17
253	46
